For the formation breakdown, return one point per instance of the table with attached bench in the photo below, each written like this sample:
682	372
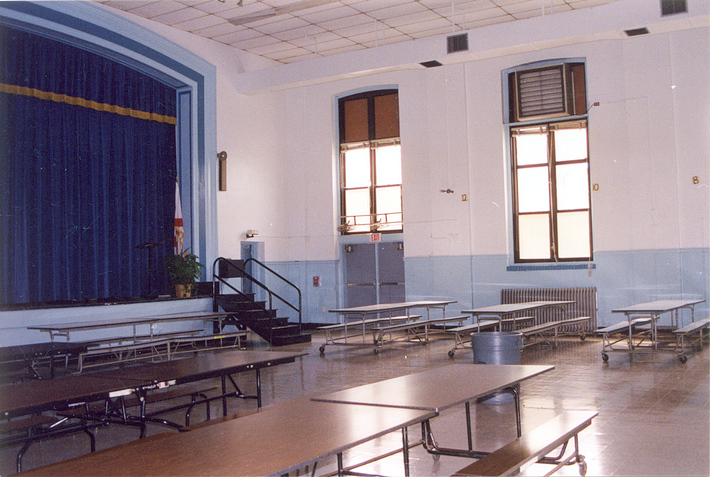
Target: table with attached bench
116	386
381	319
639	331
281	439
143	337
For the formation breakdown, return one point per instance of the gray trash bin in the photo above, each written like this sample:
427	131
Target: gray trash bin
497	348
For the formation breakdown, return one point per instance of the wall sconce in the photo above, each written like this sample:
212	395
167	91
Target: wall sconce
222	157
252	233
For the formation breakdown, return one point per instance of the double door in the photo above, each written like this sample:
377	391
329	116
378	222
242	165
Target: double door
374	273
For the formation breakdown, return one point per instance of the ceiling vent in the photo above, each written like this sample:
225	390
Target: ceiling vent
671	7
430	64
637	31
456	43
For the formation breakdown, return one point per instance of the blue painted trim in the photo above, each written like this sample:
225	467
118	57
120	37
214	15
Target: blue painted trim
557	266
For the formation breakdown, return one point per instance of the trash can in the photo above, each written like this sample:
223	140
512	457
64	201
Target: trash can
497	348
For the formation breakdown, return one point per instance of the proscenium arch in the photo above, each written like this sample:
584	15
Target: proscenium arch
93	28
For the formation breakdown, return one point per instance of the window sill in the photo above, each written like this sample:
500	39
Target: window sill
552	266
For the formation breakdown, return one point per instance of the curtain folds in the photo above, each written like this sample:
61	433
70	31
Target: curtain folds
81	184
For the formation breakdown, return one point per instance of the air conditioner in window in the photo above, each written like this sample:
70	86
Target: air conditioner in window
547	92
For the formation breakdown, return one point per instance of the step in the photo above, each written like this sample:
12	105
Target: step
291	339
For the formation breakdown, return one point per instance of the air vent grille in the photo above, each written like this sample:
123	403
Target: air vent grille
456	43
671	7
541	92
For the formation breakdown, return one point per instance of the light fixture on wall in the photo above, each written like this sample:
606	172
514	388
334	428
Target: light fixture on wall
251	233
222	157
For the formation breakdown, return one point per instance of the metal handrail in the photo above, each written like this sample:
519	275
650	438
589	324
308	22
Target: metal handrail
287	282
244	274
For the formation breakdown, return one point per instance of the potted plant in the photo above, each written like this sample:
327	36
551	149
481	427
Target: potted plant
183	271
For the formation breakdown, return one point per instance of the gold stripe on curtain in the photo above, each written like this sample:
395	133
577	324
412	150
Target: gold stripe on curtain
63	98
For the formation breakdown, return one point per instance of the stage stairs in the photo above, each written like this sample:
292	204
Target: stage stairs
260	316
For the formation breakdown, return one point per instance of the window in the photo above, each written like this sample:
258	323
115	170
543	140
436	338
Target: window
370	163
550	171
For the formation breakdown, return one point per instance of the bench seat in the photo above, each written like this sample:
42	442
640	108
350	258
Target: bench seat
194	392
682	333
461	332
554	326
534	446
369	321
420	329
623	326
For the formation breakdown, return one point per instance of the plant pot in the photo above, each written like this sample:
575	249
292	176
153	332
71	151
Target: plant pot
183	291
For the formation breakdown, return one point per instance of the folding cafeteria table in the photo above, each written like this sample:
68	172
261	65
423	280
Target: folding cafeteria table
439	389
205	366
280	439
641	312
504	311
356	317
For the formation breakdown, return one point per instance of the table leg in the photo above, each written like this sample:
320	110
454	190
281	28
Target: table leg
468	426
224	395
405	451
258	387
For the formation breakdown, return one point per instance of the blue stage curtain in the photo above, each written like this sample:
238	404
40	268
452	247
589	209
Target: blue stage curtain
87	173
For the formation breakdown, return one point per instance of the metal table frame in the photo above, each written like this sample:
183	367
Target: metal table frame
440	389
357	316
502	312
635	314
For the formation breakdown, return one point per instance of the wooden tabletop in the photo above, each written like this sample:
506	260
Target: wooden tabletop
514	307
387	307
203	366
279	439
46	394
659	306
129	321
437	389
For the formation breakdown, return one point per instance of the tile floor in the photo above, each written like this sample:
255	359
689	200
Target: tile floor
653	411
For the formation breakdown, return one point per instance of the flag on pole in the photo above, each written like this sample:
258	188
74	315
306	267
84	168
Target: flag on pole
179	233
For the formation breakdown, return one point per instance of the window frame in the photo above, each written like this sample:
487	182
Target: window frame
578	113
554	211
372	143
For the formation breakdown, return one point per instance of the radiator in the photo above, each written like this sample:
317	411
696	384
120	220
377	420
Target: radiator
585	304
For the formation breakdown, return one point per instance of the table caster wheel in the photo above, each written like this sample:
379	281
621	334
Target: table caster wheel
605	357
582	337
451	353
322	349
436	457
583	468
683	358
377	351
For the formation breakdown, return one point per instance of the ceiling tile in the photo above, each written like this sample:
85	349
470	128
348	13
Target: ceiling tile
306	31
426	26
419	17
161	7
178	16
201	23
127	5
307	41
218	30
262	40
334	26
333	13
244	34
358	19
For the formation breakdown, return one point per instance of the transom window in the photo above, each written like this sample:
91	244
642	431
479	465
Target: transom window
370	163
